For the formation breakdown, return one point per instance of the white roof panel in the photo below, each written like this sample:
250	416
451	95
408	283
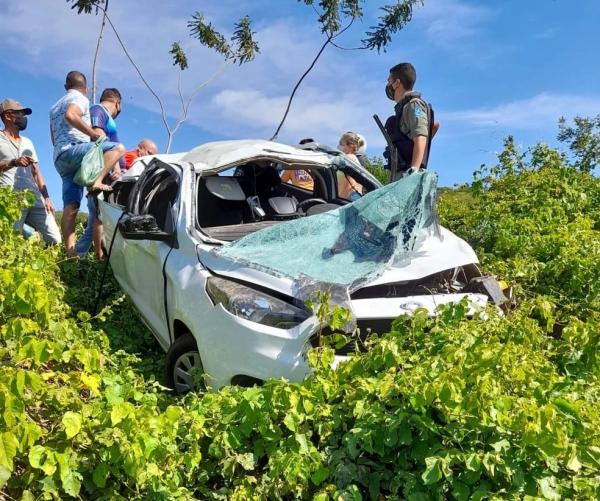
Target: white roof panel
219	154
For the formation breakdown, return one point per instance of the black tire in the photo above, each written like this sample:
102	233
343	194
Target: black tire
184	366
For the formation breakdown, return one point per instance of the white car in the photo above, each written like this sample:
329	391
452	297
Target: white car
217	248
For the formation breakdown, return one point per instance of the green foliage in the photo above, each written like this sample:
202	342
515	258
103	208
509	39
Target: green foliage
240	49
334	13
245	46
208	36
376	166
534	220
394	18
584	141
87	6
179	57
452	407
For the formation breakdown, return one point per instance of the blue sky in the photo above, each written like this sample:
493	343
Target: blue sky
489	68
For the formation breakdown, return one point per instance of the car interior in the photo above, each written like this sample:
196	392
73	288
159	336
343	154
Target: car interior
237	201
252	196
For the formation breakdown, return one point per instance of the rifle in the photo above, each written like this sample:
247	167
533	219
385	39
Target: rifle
391	148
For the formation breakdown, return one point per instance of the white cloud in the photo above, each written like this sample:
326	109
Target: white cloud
451	21
313	114
538	112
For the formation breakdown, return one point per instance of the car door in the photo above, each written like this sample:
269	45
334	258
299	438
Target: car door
156	194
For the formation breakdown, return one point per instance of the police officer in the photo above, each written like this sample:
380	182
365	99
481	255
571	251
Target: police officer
412	127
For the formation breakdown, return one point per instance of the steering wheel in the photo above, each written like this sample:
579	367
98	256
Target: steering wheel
310	201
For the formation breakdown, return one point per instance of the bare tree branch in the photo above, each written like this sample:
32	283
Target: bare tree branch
138	71
95	63
289	104
185	104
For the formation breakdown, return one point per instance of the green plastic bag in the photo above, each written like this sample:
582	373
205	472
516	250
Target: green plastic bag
91	164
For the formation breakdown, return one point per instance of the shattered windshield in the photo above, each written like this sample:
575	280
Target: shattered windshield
347	246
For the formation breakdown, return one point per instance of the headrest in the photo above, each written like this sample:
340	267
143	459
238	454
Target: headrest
225	188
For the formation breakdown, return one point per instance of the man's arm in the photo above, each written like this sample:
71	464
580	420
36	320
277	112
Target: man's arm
419	145
73	118
6	164
22	161
41	184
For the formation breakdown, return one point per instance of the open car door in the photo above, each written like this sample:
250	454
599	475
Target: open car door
147	236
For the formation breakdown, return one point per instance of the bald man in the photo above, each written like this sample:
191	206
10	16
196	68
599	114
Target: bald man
145	147
71	132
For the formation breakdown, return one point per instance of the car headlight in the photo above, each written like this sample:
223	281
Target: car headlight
253	305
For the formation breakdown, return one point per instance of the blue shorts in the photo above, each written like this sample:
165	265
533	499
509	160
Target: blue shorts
67	164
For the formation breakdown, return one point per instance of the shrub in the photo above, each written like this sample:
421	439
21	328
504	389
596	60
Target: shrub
438	408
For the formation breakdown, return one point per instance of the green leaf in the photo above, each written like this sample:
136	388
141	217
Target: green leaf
549	489
71	480
433	471
100	475
291	421
473	462
42	458
118	413
246	461
27	496
5	474
502	445
302	442
319	476
72	423
460	491
8	450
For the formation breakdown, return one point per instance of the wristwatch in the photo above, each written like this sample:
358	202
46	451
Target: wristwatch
13	162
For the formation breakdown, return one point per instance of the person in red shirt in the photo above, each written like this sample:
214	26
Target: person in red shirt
146	147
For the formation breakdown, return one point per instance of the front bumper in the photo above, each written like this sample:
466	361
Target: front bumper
233	346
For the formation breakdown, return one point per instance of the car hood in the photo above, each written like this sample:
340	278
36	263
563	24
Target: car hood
434	254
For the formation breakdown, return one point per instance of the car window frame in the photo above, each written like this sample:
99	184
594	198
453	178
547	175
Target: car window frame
134	207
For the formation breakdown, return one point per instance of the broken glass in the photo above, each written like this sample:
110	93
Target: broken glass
349	245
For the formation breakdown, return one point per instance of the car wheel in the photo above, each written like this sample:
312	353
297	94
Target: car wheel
184	366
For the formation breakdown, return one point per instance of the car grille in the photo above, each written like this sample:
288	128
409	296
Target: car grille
438	283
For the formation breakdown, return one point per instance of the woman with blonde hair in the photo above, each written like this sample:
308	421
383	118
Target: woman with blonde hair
349	144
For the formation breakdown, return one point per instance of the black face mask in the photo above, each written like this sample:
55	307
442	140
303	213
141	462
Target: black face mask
20	123
389	92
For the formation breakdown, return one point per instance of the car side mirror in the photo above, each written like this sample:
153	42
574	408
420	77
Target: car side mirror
143	227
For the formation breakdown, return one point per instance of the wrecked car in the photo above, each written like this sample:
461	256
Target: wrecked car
219	248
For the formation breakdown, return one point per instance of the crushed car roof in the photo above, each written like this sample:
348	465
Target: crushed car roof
219	154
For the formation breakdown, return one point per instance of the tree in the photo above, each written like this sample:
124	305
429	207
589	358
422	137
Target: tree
240	48
335	17
583	139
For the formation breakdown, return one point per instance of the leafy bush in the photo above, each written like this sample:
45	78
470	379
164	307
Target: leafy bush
442	408
376	166
534	220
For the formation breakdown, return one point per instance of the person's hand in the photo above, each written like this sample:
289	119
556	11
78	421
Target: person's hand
23	161
49	206
96	135
115	174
